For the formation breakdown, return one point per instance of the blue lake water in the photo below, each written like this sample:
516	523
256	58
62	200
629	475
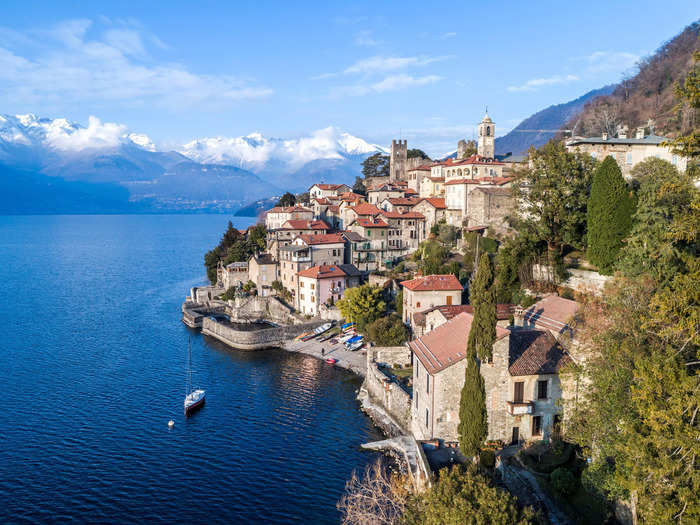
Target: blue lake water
93	367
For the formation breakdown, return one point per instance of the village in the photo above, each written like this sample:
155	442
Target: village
375	235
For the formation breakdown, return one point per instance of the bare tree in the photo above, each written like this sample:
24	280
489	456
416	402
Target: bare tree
377	498
605	119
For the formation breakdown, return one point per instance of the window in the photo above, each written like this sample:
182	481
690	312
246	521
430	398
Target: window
313	298
628	159
427	383
313	286
427	418
418	304
537	425
518	389
301	296
449	300
542	389
301	284
674	160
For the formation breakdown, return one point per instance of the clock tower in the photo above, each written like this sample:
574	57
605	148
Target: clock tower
487	134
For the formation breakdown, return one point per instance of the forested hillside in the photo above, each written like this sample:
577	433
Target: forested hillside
648	93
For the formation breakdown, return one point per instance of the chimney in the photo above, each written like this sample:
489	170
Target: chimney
605	135
622	131
640	133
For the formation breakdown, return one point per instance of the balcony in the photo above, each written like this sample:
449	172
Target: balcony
520	408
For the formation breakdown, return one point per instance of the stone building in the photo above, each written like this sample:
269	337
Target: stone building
627	151
263	271
433	209
487	136
232	274
397	161
416	175
404	229
385	191
490	206
359	252
400	204
427	291
428	320
360	211
521	382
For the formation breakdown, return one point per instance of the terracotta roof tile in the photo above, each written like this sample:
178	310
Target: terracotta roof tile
433	282
503	311
405	215
366	209
302	224
447	344
534	352
370	223
552	313
436	202
402	201
323	271
328	238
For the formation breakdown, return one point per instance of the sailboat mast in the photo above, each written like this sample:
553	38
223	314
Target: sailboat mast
189	366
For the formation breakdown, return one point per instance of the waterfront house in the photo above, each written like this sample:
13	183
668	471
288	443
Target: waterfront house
232	274
521	382
323	284
263	271
306	251
427	291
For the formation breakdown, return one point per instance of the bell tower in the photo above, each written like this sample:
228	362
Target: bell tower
487	134
397	162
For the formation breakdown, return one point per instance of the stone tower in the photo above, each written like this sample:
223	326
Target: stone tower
397	163
487	134
461	149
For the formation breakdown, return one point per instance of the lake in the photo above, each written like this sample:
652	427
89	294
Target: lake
94	367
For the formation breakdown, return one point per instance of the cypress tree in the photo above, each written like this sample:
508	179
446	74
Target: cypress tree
610	209
482	295
473	426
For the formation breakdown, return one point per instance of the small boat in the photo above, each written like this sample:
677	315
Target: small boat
346	337
323	328
194	398
309	337
301	336
331	360
346	325
356	345
353	340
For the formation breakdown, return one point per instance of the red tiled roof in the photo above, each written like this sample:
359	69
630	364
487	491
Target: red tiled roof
321	200
371	223
552	313
436	202
334	208
329	186
503	311
399	215
328	238
288	209
433	282
474	159
301	224
402	201
437	179
534	352
447	344
366	209
409	191
323	271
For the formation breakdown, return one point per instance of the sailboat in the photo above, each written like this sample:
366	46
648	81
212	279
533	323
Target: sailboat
194	399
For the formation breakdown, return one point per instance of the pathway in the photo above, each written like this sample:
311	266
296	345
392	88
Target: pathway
354	361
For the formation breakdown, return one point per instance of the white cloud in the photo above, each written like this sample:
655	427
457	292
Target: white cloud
601	61
384	64
536	83
389	83
76	62
366	39
449	35
62	136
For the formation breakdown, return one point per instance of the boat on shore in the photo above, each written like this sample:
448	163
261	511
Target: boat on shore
356	345
194	398
331	360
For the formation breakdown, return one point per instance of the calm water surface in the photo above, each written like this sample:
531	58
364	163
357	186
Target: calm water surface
93	368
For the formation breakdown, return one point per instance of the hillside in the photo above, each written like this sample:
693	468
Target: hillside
648	94
553	117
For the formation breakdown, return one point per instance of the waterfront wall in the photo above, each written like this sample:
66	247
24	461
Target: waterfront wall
269	308
382	388
193	314
255	339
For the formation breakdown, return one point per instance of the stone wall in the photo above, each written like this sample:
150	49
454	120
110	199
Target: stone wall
269	308
329	313
581	280
380	386
255	339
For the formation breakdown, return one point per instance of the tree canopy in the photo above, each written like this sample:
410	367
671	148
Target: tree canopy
288	199
553	195
363	305
359	186
482	335
413	153
388	330
376	165
609	215
463	496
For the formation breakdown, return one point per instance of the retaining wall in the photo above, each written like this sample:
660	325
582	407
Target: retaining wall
255	339
385	391
581	280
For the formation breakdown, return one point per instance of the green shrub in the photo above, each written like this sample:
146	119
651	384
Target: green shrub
388	331
488	245
487	458
564	483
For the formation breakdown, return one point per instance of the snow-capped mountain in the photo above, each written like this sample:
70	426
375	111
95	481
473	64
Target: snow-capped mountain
255	151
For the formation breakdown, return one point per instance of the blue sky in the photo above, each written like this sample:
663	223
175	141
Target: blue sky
425	70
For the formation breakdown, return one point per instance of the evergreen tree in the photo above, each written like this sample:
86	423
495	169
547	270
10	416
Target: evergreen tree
359	186
288	199
473	425
376	165
482	296
610	209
